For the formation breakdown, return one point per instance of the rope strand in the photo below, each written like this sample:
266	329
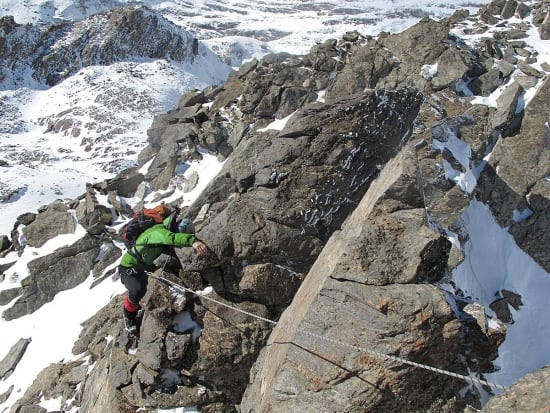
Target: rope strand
469	379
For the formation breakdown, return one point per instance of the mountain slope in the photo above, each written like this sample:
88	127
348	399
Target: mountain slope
40	167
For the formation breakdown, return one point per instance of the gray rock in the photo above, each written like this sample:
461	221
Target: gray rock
526	395
177	345
269	284
544	28
92	215
241	337
313	185
485	84
452	65
5	396
191	182
9	294
10	361
506	107
124	184
53	221
5	244
63	269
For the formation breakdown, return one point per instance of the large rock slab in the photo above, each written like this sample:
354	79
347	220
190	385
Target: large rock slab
307	365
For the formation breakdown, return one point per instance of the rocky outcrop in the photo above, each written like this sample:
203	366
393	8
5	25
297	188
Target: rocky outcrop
55	53
55	219
308	175
523	163
65	268
9	363
308	356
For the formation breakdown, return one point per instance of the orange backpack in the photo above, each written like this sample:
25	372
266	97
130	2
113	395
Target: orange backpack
141	221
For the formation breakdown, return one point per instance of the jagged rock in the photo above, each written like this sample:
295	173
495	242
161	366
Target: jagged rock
26	218
509	9
268	284
281	195
122	32
313	184
55	381
5	266
544	28
10	361
177	345
5	244
191	182
485	84
65	268
523	161
495	7
192	98
530	70
526	395
522	10
124	184
5	396
502	311
53	221
488	18
32	408
506	108
9	294
92	215
477	132
229	344
452	64
330	307
477	311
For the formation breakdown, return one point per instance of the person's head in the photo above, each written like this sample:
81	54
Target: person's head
185	226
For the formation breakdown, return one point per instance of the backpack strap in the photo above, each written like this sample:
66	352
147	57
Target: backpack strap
136	254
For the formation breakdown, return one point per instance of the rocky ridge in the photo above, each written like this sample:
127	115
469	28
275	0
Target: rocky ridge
337	225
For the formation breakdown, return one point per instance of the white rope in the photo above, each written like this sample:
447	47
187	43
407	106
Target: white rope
377	354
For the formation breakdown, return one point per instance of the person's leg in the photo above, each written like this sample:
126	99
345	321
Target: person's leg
135	282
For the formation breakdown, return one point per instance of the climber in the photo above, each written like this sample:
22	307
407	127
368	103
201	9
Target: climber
138	260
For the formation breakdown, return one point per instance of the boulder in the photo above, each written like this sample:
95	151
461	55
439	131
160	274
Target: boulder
544	28
294	189
526	395
65	268
54	220
10	361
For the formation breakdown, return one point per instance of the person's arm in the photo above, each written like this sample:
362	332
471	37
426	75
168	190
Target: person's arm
165	237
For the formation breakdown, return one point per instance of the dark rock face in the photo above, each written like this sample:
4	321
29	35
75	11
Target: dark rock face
295	188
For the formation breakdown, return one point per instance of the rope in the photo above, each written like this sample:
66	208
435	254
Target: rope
374	353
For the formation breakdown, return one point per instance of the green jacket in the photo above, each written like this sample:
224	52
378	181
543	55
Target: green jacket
149	245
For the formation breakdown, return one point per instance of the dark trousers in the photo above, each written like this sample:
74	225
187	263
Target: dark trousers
135	281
